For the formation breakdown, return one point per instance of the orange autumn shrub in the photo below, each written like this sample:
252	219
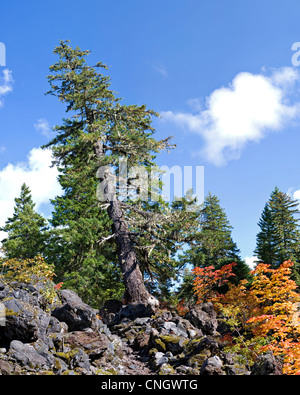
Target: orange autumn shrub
263	315
208	279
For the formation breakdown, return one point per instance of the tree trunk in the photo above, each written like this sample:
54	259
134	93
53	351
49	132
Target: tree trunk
135	290
132	276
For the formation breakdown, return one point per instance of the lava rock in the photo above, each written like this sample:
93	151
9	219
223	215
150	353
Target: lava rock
75	313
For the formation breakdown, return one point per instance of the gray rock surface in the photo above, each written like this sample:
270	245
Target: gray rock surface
69	338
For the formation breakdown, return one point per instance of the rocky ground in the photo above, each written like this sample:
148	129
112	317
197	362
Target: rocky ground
68	337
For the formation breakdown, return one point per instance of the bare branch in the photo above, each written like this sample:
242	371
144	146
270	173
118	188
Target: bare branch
105	239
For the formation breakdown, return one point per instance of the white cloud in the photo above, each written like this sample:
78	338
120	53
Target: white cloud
6	83
42	126
246	111
38	176
251	261
294	194
195	104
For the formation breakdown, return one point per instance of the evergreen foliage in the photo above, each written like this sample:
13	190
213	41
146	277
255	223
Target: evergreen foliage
88	149
212	244
279	237
26	229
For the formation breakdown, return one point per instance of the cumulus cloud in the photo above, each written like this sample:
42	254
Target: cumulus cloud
38	176
245	111
294	194
6	84
251	261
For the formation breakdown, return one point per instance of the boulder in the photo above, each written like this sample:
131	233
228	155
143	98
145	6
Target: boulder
212	367
167	322
92	343
70	339
159	359
133	311
26	355
24	321
204	317
109	310
267	365
74	312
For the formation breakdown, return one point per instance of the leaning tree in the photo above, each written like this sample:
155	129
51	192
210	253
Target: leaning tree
98	140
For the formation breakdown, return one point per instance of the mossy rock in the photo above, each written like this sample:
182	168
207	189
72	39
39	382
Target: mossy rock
197	360
67	356
166	369
193	343
70	373
153	351
174	344
106	372
159	345
197	345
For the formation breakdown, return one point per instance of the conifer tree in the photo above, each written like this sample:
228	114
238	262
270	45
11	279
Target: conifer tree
81	262
89	145
279	237
267	239
216	245
213	245
26	229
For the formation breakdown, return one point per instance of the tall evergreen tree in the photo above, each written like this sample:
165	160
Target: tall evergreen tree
90	143
213	245
279	237
216	245
267	239
26	229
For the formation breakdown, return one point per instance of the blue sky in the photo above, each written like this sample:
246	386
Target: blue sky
219	72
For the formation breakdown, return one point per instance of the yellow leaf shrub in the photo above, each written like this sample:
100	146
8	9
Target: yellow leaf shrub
32	271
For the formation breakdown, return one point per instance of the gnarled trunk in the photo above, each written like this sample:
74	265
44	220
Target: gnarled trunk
135	290
132	276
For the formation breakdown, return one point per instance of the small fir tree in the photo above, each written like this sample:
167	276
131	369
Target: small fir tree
279	237
26	229
267	239
212	244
